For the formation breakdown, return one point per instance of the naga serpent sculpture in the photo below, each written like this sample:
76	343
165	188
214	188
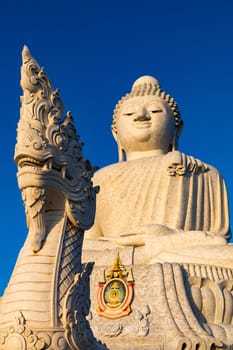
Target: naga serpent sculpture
47	299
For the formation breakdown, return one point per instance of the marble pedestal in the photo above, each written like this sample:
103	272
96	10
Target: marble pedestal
175	306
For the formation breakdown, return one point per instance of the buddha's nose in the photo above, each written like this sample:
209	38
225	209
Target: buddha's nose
141	114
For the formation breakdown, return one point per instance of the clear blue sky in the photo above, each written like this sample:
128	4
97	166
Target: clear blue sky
93	51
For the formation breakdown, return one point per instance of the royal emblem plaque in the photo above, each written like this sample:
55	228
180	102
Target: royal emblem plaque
115	292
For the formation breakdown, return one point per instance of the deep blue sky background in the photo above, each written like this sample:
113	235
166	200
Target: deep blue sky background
93	51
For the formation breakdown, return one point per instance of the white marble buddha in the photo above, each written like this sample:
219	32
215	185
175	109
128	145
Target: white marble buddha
156	196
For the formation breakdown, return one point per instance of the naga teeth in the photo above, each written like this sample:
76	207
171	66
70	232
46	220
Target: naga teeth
27	161
48	164
63	171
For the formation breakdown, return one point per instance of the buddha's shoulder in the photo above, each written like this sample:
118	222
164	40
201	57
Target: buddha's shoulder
109	171
134	165
189	163
176	161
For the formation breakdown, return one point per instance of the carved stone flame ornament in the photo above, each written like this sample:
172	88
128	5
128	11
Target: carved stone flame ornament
115	292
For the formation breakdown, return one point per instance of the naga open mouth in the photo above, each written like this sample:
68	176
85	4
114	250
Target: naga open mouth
46	165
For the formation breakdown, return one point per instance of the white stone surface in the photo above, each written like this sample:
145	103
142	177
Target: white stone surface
167	215
47	299
164	212
158	191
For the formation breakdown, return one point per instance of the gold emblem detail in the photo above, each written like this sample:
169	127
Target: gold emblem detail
115	292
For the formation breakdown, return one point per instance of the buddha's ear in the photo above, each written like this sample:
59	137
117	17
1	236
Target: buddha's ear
176	136
121	152
179	129
114	134
174	146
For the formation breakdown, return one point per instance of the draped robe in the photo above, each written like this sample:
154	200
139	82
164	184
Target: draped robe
173	190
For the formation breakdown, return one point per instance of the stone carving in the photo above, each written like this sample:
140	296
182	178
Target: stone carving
167	214
139	329
77	305
211	291
34	201
146	129
183	313
20	336
164	212
47	299
143	320
48	143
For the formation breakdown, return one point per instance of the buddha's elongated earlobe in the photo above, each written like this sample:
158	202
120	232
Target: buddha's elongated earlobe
177	133
175	141
121	153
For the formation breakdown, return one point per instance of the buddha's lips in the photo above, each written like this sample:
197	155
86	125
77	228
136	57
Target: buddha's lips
142	124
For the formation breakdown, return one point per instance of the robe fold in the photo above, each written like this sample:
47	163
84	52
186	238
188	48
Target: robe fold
174	190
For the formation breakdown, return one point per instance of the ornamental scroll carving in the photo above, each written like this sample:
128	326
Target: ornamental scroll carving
20	336
34	201
76	307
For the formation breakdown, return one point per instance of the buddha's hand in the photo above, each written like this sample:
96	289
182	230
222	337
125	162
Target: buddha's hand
138	236
161	237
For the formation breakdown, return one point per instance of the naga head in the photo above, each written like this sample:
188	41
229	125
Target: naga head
48	151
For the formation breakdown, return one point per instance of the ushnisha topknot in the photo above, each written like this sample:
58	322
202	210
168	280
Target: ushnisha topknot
146	86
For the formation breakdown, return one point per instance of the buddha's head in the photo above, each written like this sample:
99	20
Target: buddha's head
146	120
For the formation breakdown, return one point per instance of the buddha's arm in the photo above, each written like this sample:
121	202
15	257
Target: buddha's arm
152	234
94	232
149	229
191	240
138	236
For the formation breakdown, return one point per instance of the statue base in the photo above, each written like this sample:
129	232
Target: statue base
172	306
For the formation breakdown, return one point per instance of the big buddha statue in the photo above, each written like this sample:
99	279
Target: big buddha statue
166	214
156	198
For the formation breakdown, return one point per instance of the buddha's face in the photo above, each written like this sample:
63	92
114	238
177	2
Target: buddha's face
145	123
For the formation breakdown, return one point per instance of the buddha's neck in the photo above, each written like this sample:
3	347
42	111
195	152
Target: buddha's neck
143	154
